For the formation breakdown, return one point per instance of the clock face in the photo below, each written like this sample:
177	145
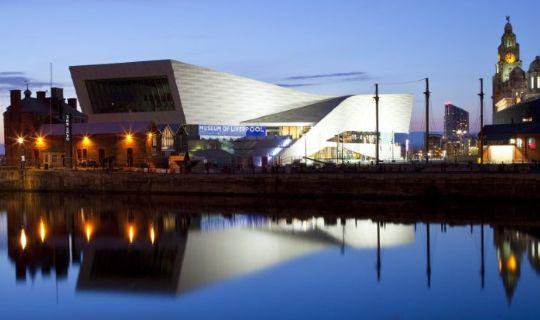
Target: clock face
510	57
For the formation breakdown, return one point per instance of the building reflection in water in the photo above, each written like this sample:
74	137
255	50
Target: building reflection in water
140	250
126	248
511	246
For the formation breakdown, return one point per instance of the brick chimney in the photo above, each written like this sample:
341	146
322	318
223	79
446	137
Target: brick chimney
15	98
57	93
72	102
40	95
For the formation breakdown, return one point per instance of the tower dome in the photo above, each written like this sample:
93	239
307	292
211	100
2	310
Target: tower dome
517	73
535	65
518	78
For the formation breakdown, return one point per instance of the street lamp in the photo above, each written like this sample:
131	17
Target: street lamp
20	141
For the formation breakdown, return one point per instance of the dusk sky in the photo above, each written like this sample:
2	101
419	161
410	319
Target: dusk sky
328	47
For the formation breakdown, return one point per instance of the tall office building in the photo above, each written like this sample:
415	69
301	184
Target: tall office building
456	122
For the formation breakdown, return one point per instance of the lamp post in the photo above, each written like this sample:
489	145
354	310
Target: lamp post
20	141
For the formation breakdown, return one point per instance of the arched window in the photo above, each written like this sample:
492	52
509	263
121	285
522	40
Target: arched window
167	140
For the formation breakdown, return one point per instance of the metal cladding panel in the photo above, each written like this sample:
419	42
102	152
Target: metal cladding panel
356	113
80	74
211	97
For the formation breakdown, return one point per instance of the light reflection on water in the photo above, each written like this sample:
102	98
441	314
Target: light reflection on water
120	257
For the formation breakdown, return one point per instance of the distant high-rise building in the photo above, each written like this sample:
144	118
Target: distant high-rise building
456	122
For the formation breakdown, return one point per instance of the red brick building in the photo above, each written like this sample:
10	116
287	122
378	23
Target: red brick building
24	118
116	144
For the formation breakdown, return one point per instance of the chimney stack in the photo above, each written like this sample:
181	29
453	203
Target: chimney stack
15	96
40	95
72	102
57	93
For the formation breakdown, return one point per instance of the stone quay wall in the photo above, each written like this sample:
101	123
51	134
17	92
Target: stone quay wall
307	185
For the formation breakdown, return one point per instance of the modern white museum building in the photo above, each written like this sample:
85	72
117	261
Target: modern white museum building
218	106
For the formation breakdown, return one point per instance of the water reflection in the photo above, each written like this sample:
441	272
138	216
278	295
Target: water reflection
511	246
141	251
122	245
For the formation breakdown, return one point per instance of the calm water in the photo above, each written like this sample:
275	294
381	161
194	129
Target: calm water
201	258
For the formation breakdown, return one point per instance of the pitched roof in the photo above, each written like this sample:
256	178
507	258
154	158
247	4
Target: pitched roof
98	128
174	127
34	105
508	131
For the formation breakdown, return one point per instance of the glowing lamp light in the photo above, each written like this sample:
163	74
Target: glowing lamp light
20	140
511	264
40	141
88	231
86	141
22	239
152	234
42	230
129	137
131	233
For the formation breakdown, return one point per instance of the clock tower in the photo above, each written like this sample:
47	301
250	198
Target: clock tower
508	57
507	60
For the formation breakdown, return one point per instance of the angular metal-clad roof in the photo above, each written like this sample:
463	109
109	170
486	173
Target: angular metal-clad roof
312	113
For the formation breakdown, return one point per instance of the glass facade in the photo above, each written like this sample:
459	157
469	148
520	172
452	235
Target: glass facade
456	122
146	94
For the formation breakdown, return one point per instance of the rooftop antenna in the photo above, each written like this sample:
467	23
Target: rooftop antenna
50	98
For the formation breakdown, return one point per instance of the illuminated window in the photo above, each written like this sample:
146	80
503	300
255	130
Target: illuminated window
531	143
519	142
167	140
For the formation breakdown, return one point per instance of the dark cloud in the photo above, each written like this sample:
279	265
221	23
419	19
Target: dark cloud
328	78
327	75
14	79
11	73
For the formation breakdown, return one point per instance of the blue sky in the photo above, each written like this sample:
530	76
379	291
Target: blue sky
452	42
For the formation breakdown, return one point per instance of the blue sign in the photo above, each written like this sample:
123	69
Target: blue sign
232	131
